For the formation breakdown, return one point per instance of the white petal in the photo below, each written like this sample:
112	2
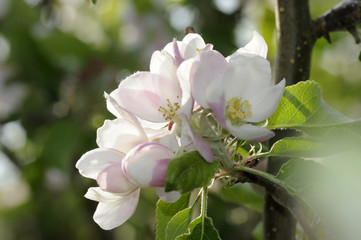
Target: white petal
170	141
169	197
109	215
96	194
246	75
256	46
120	134
210	67
162	63
146	165
191	44
143	93
250	132
112	179
265	102
95	161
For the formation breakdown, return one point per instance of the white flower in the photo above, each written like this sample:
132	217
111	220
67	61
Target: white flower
238	88
124	162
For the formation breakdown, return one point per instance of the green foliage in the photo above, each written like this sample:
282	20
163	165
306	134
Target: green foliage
302	107
199	230
166	211
298	175
243	194
189	171
300	147
178	225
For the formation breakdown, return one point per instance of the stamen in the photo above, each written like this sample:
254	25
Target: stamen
169	112
237	110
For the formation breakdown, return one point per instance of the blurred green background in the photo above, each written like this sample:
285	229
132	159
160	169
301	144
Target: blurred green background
57	57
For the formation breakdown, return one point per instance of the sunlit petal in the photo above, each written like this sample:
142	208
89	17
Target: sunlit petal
109	215
246	75
265	102
96	160
120	134
210	67
256	46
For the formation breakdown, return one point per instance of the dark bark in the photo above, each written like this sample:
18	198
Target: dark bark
343	17
296	34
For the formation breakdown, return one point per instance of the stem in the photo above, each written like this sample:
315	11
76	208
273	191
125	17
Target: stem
204	208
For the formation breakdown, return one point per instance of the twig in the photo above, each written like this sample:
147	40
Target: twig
343	17
281	196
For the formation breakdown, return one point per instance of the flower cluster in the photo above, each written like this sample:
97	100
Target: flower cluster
156	119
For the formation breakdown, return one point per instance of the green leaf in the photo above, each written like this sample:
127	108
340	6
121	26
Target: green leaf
302	107
94	1
166	211
189	171
178	225
297	147
298	175
197	230
359	57
244	194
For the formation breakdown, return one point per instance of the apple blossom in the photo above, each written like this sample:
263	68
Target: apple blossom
237	89
124	162
160	96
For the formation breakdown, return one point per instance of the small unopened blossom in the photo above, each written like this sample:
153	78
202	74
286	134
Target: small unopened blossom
238	89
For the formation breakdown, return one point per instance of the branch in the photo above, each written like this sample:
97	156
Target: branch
281	196
343	17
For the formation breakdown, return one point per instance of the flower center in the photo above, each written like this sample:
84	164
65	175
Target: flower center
237	110
169	112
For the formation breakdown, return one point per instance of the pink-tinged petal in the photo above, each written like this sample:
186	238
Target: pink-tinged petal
265	102
246	75
159	173
208	47
140	164
210	67
112	179
177	54
163	63
96	160
143	93
169	48
257	46
109	215
250	132
216	101
192	43
202	147
120	134
169	197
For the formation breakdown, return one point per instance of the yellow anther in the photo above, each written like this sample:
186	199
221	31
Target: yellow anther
169	112
237	110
